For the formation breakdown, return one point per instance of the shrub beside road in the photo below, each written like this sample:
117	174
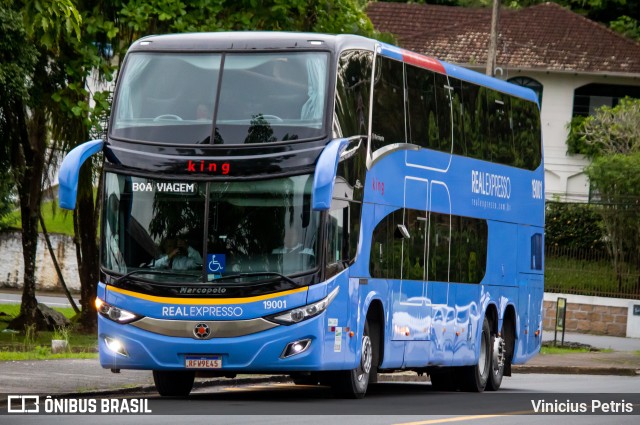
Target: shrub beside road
37	346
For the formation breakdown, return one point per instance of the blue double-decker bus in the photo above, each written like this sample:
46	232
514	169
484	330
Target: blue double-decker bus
327	207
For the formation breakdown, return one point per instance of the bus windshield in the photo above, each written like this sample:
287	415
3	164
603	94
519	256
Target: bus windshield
261	228
261	98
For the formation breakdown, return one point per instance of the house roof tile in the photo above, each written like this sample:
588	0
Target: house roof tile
543	37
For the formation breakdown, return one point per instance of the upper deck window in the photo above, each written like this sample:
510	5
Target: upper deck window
263	97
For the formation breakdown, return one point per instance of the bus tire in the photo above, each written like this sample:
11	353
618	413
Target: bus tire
353	383
171	383
498	358
475	378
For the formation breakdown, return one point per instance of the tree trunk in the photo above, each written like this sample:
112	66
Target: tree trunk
28	159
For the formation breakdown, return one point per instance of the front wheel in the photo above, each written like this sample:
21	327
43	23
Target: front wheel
475	377
353	383
171	383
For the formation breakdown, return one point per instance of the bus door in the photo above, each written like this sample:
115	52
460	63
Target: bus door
443	315
412	311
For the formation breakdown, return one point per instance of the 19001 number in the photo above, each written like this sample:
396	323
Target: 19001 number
275	304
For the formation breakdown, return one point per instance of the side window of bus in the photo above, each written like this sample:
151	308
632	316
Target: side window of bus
422	111
386	248
484	116
456	114
352	93
496	127
526	134
500	134
472	122
337	239
388	104
414	248
439	245
468	249
342	234
443	104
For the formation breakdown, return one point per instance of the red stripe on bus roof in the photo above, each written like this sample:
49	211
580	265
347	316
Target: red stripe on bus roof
423	61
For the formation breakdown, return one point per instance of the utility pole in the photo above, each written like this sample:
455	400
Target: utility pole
493	39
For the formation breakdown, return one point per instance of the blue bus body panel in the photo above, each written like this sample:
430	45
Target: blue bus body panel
476	188
452	313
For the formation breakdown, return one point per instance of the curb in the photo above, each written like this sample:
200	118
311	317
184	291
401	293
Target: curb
577	370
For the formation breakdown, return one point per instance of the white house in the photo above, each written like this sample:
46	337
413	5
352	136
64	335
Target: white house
575	65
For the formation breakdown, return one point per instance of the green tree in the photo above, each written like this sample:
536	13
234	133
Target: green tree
616	178
611	130
611	137
31	31
17	60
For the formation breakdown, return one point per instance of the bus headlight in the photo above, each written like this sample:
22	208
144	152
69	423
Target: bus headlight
114	313
303	313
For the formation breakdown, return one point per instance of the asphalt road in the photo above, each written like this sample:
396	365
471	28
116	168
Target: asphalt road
386	403
53	300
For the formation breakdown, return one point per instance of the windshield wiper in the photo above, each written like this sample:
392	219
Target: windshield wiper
148	271
250	274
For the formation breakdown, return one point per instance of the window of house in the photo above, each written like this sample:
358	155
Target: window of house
588	98
529	83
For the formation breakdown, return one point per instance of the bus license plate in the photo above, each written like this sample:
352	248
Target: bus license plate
203	362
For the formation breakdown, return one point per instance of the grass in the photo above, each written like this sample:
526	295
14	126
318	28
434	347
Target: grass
563	350
43	353
56	219
31	346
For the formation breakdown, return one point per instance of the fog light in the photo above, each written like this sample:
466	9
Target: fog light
295	347
116	346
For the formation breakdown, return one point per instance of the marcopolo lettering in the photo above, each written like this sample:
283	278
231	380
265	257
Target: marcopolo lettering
202	291
488	184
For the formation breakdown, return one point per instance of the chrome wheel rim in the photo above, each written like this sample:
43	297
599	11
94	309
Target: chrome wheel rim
366	358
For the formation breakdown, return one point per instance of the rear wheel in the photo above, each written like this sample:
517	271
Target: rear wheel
353	383
474	378
173	383
498	355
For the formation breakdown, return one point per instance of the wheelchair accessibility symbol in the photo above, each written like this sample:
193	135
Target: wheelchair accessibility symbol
216	263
